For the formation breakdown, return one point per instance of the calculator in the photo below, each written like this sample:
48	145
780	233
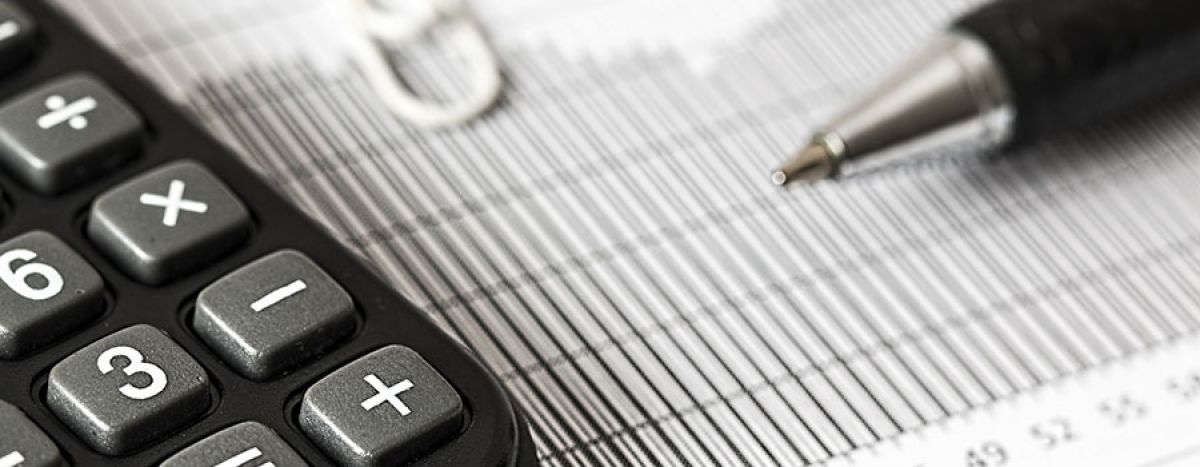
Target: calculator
160	304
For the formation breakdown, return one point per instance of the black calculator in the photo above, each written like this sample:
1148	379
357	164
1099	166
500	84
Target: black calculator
160	304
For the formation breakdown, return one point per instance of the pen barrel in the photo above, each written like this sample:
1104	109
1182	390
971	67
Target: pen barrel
1069	62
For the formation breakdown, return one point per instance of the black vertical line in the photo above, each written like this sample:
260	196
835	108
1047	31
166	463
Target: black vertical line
908	301
846	233
1088	243
791	339
507	139
1188	285
890	216
621	103
611	200
1047	230
482	153
1107	231
1005	217
951	285
715	426
1113	304
672	97
937	201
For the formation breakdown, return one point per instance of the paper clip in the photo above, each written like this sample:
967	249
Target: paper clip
380	25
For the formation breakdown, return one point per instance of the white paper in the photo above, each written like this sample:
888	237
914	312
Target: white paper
608	241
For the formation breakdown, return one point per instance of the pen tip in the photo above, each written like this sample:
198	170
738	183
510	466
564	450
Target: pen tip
779	177
810	164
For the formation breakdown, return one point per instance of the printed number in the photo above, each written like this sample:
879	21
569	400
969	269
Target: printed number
137	364
1053	433
1186	388
18	279
1122	409
989	454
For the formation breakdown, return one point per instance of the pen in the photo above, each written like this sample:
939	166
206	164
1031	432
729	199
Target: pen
1008	74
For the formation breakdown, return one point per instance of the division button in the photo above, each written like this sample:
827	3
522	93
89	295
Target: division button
273	314
168	222
247	444
65	132
386	408
128	389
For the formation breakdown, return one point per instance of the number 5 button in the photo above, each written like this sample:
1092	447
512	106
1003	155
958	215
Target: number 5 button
46	290
128	389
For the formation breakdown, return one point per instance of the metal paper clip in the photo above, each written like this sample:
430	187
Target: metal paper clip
380	25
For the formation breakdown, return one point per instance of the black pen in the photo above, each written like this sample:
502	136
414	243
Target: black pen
1009	73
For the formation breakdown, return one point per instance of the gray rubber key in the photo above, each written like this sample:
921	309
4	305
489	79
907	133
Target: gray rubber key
245	444
46	290
17	31
65	132
273	314
22	443
383	409
168	222
127	389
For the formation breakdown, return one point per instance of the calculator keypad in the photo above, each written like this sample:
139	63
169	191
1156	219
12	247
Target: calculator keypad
168	222
383	409
65	132
136	396
128	389
273	314
244	444
46	290
22	443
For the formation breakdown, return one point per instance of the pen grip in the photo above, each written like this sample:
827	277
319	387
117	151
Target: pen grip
1072	61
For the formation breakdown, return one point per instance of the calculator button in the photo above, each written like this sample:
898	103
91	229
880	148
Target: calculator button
16	38
128	389
22	443
66	132
383	409
245	444
168	222
273	314
46	290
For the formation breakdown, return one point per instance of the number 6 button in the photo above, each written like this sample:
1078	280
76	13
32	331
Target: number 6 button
128	389
46	290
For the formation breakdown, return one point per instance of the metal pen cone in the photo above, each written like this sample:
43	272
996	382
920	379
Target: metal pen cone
809	165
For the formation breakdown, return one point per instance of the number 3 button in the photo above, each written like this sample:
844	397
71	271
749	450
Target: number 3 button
46	290
128	389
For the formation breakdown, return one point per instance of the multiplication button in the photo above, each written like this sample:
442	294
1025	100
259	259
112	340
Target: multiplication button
168	222
273	314
46	290
243	445
128	389
383	409
22	443
66	132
